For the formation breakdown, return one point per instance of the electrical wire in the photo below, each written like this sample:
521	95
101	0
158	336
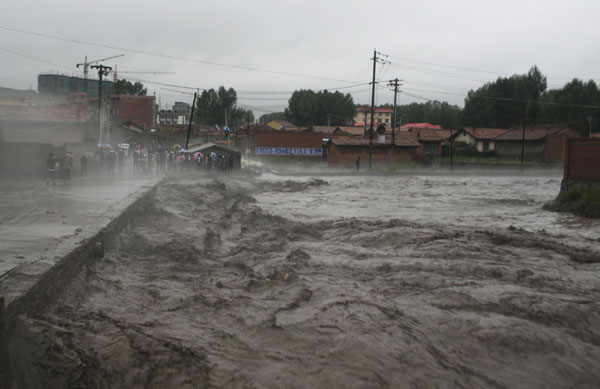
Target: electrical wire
472	69
149	53
33	58
441	73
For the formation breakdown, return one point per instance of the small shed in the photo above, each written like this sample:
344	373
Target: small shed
208	148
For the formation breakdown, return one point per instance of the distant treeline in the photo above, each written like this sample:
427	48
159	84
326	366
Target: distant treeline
505	102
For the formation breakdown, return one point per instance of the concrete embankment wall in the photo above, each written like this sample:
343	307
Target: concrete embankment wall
51	283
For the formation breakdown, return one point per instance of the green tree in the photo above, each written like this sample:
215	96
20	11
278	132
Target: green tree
434	112
566	102
124	87
306	108
506	101
220	107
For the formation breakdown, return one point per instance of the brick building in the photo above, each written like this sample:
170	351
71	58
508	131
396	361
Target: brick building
582	159
381	116
138	110
508	145
344	151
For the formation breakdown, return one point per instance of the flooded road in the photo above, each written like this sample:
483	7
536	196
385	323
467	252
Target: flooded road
355	281
35	217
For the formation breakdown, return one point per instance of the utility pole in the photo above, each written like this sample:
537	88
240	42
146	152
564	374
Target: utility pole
187	140
102	71
525	109
395	83
248	135
451	150
372	110
371	129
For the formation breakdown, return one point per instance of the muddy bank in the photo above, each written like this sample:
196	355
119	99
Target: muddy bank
210	286
577	197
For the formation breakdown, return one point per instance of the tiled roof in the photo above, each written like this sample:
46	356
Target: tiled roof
401	140
532	134
443	134
352	130
485	133
421	125
423	135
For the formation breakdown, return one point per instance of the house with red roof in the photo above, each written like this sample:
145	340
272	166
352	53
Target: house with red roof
429	138
481	139
345	151
540	143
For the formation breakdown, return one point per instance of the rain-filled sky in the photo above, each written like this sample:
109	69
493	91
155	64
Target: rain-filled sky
266	49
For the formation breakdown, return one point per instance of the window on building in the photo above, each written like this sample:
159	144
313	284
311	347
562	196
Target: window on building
430	148
486	146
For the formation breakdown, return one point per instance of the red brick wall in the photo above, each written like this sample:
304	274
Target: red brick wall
346	155
555	145
287	139
582	159
138	110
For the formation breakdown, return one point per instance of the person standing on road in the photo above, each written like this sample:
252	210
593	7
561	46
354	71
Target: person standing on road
357	162
50	169
83	164
121	159
68	166
136	159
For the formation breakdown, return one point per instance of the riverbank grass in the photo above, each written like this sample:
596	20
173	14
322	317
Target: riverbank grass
579	201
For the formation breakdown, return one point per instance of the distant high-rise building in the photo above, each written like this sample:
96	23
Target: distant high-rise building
57	86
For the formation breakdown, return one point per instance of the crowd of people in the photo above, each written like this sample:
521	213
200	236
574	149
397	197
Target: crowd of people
58	168
109	159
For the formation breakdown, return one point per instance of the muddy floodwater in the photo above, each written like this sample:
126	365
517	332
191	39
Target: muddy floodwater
353	281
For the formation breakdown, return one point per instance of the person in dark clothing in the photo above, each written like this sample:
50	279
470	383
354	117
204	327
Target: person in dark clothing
121	159
67	166
50	169
357	162
83	162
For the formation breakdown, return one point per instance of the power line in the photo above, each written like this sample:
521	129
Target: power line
471	69
173	56
441	73
33	58
449	66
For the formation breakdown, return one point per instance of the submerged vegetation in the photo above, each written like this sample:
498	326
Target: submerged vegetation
579	201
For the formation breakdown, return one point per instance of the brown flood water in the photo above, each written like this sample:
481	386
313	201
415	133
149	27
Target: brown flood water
412	281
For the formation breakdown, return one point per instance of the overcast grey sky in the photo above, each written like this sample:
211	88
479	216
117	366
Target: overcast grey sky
330	40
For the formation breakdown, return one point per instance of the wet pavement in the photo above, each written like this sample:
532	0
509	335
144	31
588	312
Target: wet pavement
34	217
356	281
